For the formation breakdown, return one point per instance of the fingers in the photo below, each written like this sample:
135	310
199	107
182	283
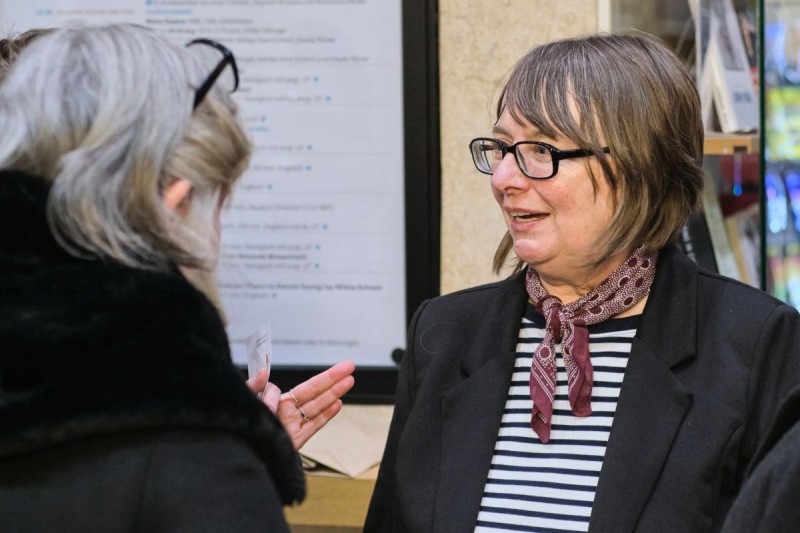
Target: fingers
325	416
318	385
297	402
307	429
307	407
340	370
271	397
317	405
257	383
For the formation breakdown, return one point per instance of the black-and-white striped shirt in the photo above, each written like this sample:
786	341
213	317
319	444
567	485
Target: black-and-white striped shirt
550	487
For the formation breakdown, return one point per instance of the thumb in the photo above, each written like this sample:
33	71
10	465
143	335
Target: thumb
257	383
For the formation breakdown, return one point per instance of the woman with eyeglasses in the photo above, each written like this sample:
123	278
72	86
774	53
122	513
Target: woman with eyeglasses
609	384
120	409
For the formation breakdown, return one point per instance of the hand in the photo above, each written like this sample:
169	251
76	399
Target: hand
266	391
318	397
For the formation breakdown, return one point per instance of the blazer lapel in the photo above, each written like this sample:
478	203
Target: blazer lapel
653	402
472	411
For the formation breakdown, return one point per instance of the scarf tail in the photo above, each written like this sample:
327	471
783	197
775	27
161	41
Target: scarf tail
623	289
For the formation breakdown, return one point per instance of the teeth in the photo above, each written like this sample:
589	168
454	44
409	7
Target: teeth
524	216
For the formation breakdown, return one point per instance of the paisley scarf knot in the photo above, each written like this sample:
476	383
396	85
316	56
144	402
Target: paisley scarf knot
568	324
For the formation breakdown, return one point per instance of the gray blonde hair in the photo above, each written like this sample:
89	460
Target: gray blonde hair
104	113
11	47
634	95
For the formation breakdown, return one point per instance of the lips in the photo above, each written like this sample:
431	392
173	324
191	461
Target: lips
525	216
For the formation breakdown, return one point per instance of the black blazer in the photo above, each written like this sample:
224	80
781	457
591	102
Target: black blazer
711	360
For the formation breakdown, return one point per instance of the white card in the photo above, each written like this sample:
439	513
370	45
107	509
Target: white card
259	350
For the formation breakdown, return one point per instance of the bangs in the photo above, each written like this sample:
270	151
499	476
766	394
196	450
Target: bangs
541	91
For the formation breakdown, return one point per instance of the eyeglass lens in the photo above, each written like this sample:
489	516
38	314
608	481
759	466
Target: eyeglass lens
534	160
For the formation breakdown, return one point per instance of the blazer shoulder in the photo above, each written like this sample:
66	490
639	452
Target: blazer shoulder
478	295
748	300
489	313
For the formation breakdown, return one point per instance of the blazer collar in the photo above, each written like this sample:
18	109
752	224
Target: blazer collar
472	410
502	320
669	322
653	402
671	308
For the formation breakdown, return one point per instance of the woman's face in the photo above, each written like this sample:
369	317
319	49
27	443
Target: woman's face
559	224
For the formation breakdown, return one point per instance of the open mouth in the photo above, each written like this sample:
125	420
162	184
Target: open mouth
519	216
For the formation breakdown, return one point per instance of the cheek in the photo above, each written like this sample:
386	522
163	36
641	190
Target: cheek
498	196
496	192
595	220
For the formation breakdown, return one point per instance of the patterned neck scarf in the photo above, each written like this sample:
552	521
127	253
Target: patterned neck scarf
623	289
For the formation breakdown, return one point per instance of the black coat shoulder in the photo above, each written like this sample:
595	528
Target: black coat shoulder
161	480
768	499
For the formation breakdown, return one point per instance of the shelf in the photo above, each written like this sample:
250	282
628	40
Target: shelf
727	144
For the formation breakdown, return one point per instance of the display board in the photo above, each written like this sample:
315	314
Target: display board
331	237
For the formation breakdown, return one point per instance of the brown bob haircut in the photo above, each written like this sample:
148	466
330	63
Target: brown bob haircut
632	94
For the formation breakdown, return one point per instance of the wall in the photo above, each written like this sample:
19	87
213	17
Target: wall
480	40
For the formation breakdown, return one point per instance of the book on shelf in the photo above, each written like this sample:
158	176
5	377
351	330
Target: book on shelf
744	230
720	244
724	75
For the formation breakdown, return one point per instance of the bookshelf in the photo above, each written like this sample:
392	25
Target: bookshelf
731	204
725	237
753	193
717	144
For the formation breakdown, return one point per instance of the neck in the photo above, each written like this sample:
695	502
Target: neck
573	285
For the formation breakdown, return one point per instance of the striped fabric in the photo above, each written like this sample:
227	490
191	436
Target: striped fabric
550	487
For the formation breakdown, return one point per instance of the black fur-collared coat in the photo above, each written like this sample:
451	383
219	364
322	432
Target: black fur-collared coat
768	501
120	409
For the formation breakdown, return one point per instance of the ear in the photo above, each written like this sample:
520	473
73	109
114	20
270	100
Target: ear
177	196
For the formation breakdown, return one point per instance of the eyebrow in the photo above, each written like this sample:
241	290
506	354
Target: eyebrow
535	132
499	129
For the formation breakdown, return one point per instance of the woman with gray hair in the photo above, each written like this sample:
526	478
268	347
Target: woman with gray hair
120	409
11	47
609	384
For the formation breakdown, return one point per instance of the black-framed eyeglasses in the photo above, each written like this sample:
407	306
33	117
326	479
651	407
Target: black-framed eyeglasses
219	57
537	160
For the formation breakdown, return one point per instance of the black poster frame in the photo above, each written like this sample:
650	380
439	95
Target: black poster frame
422	194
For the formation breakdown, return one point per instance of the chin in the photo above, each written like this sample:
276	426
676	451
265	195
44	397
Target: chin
529	254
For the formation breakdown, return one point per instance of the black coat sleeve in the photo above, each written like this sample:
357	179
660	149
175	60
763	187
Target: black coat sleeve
768	499
207	483
776	376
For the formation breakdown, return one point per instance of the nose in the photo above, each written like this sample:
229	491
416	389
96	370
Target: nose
508	176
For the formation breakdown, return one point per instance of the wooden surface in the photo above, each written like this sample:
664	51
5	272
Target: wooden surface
335	504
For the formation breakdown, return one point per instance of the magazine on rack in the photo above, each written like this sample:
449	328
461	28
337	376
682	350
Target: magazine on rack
724	74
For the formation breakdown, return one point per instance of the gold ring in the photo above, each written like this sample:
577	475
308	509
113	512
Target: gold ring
297	402
303	414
